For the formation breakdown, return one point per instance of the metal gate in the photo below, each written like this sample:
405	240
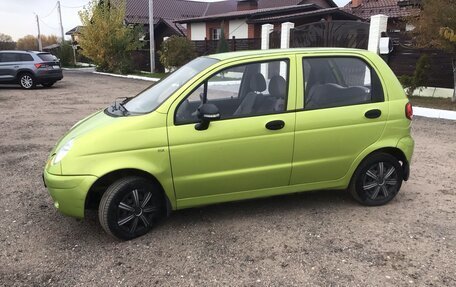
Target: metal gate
338	33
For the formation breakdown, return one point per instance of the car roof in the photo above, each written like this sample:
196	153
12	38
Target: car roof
22	51
271	52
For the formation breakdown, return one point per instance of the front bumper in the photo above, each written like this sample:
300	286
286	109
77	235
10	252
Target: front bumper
69	192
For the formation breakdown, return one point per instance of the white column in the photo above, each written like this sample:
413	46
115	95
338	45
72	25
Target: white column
378	24
285	36
166	69
266	29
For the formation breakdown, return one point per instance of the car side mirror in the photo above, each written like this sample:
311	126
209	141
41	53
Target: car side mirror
206	113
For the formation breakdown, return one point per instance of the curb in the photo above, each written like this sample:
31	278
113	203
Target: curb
134	77
434	113
84	69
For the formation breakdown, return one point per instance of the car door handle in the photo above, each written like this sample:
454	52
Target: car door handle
275	125
373	114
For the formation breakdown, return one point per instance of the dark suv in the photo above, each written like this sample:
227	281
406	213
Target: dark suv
28	68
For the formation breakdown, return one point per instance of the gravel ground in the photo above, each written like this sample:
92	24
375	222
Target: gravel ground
318	238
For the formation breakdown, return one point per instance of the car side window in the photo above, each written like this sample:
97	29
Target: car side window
240	91
9	57
339	81
25	57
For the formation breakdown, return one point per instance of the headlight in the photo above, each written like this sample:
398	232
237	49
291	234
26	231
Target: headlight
63	151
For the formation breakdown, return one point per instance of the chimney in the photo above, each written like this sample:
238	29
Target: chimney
243	5
356	3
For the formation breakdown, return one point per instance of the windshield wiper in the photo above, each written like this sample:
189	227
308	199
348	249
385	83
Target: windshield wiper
120	105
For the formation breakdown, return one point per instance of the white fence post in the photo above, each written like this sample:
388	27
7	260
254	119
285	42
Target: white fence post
285	37
378	24
266	29
164	40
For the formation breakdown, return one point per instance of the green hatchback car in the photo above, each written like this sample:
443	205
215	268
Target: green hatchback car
237	126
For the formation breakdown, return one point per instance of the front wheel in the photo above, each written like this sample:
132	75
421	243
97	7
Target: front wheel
377	180
130	207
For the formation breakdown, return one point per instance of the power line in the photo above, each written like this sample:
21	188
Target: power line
73	7
49	14
47	25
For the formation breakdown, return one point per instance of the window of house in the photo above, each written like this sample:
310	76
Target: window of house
339	81
216	33
240	91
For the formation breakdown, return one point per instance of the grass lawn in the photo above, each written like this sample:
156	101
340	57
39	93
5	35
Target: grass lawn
436	103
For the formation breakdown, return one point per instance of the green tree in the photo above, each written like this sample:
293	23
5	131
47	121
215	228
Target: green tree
30	42
419	77
222	45
6	42
435	27
176	52
105	39
5	38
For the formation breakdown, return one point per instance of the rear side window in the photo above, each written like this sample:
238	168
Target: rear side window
339	81
47	57
25	57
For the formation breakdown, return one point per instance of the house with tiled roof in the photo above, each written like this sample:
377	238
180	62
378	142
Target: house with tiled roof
168	13
245	21
396	10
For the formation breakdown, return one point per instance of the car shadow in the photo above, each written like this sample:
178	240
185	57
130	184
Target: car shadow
17	87
283	206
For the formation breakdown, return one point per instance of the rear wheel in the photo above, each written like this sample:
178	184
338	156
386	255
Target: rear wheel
377	180
48	85
27	81
130	207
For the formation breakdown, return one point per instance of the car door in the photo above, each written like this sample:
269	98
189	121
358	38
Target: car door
249	148
343	112
8	66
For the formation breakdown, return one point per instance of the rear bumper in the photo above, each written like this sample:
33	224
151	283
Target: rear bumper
407	146
49	76
69	192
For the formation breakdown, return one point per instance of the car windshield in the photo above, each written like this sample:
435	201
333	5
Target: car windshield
148	100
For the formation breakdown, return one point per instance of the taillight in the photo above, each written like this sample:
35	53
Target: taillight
40	66
409	111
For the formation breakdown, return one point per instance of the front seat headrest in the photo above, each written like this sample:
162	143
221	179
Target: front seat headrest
278	87
258	83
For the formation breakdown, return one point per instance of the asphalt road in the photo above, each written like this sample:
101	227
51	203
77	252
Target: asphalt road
320	238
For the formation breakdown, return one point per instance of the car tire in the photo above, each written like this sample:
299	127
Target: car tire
130	207
377	180
27	81
48	85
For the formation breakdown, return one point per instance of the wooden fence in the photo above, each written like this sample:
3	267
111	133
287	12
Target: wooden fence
206	47
404	57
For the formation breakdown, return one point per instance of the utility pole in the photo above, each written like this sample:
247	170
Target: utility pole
40	46
60	22
151	36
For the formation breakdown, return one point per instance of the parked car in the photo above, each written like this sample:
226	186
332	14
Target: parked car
29	69
237	126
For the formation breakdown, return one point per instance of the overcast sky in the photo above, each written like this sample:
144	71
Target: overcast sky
17	17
